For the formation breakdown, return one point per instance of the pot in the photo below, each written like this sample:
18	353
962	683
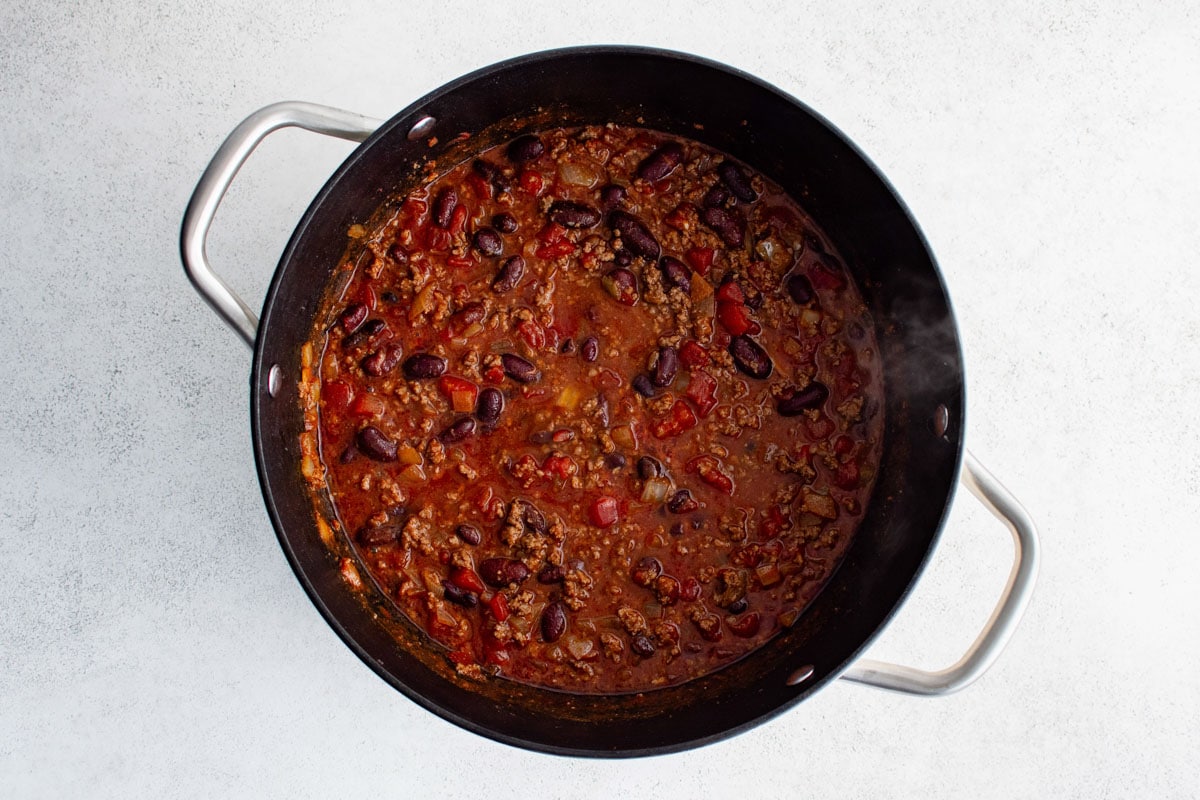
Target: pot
853	203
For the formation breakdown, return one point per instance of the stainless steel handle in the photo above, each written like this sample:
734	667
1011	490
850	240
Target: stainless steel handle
1004	619
215	181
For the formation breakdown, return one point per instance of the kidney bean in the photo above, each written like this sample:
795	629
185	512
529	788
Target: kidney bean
459	596
369	328
728	225
501	572
715	197
375	444
383	360
489	406
590	350
488	242
469	534
525	148
460	429
485	169
510	274
622	285
661	163
737	606
623	258
541	437
666	367
552	573
554	621
737	181
353	317
519	369
646	571
611	196
389	297
677	529
465	317
533	518
570	214
505	223
378	535
649	467
676	274
635	236
423	366
602	416
811	396
568	347
682	502
642	645
443	207
349	454
799	289
813	242
398	254
750	358
614	461
667	589
643	385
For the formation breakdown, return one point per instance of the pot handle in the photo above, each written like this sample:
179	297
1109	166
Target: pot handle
215	181
1003	622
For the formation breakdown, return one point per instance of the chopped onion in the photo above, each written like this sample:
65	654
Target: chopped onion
579	174
656	489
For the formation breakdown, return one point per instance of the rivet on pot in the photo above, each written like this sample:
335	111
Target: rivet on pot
421	127
801	675
274	380
941	421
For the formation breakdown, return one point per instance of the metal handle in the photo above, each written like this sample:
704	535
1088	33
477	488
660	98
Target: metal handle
215	181
1004	619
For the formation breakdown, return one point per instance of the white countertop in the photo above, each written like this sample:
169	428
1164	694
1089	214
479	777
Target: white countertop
153	640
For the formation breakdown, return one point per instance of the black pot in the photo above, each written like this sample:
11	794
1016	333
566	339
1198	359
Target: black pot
851	201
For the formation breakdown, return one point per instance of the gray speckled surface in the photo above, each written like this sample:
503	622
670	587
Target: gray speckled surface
153	641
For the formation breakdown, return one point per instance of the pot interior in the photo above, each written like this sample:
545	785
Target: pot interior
883	248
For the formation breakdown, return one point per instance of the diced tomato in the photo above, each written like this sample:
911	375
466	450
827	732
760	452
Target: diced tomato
709	470
458	220
499	606
847	476
461	657
606	379
460	262
531	182
682	419
843	445
556	250
693	354
532	333
414	209
604	511
336	395
746	625
438	239
775	522
560	466
701	258
702	391
551	233
482	189
368	405
678	218
461	392
494	374
497	655
749	556
467	579
689	590
820	428
730	292
735	317
824	279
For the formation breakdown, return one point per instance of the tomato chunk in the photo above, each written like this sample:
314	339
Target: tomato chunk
499	606
467	579
460	391
693	355
681	419
735	317
701	258
604	511
702	391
